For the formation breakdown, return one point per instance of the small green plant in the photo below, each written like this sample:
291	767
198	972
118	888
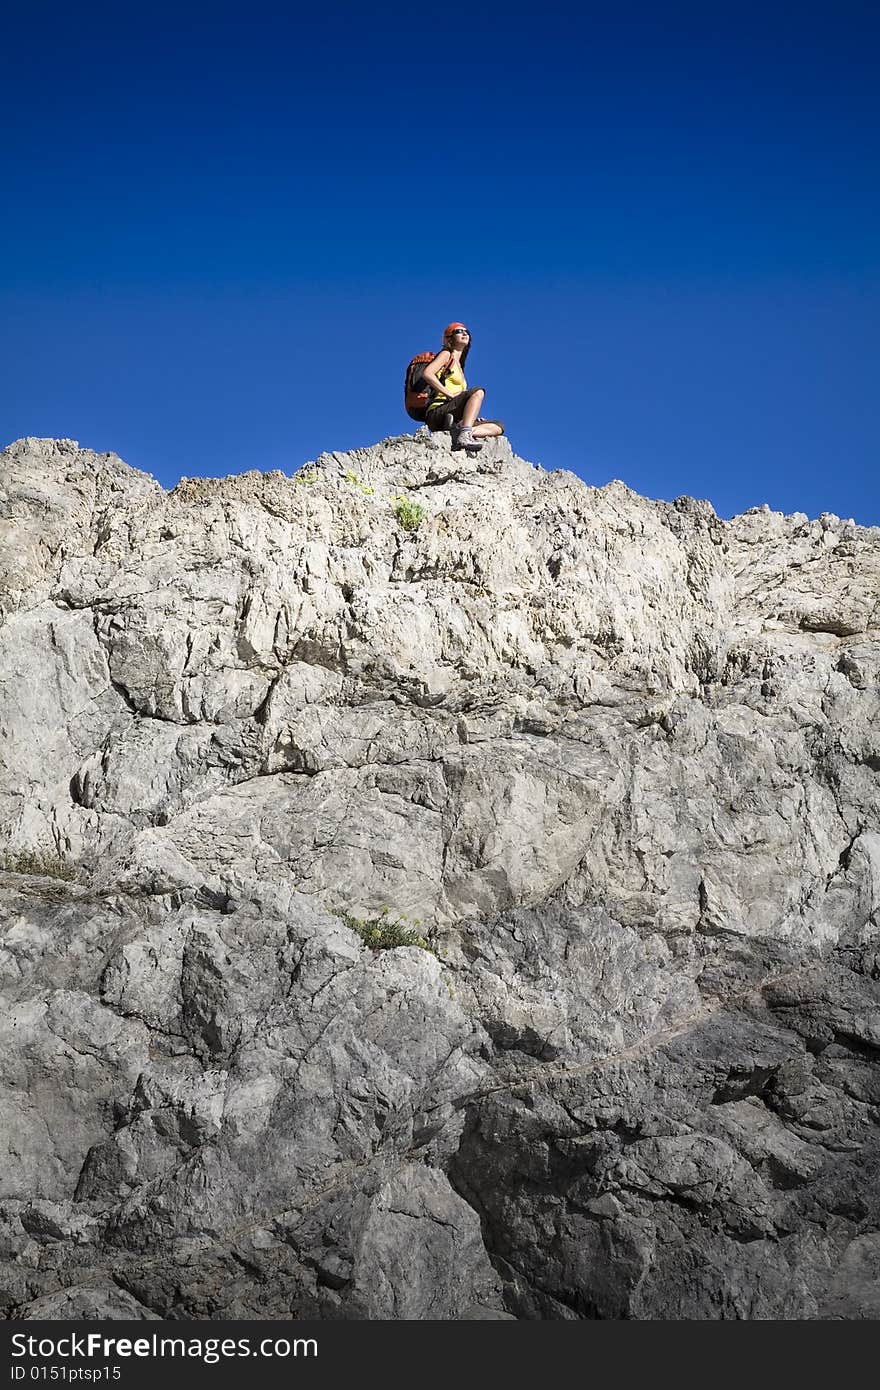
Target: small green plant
384	932
28	861
409	514
306	475
356	482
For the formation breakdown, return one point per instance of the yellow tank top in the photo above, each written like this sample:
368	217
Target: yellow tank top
453	380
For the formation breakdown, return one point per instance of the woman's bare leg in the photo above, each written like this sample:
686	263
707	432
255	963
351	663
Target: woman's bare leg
489	428
472	407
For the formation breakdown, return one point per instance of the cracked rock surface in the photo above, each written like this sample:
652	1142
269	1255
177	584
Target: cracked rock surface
616	760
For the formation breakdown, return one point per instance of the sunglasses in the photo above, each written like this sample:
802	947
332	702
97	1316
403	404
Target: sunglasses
457	332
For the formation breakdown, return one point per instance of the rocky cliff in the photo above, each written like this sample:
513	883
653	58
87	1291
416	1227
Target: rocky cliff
613	762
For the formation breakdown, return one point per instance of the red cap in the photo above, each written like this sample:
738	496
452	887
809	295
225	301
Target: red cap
450	328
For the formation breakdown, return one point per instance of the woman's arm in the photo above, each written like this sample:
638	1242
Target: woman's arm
429	373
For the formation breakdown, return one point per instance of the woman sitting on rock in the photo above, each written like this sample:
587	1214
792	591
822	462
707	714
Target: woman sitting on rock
452	406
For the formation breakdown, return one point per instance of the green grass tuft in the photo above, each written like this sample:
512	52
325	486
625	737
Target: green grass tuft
306	475
384	933
355	481
42	864
409	514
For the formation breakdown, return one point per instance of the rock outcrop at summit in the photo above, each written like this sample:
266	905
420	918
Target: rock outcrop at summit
616	761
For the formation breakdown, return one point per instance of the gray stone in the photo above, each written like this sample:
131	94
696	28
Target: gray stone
614	761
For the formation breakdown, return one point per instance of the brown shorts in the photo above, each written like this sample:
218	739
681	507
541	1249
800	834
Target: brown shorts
442	415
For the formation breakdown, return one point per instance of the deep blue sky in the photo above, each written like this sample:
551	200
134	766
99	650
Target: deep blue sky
225	230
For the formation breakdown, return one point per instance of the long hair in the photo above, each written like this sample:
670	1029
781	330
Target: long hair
447	341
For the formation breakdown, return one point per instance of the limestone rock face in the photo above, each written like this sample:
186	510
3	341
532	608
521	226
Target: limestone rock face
616	761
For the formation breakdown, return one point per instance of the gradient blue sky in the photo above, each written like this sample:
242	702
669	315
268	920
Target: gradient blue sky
226	229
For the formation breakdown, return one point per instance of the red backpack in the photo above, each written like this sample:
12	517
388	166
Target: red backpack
416	391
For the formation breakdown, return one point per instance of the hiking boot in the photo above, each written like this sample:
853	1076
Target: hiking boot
463	438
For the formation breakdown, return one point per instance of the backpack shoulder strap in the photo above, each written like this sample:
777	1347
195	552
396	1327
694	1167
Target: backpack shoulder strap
447	366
